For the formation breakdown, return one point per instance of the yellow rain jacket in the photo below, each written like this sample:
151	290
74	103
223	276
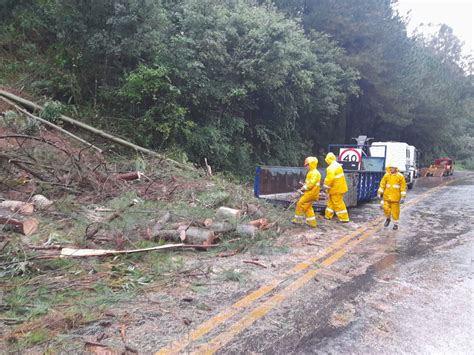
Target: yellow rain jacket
335	180
393	186
311	185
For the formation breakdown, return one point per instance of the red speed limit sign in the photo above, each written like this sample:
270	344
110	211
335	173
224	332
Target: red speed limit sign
350	155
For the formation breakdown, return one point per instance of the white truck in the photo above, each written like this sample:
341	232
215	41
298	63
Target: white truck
398	154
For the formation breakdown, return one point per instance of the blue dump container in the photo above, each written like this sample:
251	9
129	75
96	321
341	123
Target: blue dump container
278	184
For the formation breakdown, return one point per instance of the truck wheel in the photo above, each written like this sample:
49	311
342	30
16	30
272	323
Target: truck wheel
410	185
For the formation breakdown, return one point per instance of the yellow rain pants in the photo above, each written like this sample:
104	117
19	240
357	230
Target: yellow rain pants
336	206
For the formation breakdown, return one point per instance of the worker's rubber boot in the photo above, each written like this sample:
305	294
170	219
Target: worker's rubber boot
395	227
298	221
387	222
311	223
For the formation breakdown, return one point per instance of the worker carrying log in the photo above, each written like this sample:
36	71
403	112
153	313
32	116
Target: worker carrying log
310	193
336	186
392	190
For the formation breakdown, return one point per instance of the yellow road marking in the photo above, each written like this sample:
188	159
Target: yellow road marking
222	339
209	325
206	327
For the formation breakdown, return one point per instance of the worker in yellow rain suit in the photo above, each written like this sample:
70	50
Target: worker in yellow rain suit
310	191
393	190
336	186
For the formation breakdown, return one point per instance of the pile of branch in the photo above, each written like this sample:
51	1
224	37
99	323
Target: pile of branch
51	160
16	100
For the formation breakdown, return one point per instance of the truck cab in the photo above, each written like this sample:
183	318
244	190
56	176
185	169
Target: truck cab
399	154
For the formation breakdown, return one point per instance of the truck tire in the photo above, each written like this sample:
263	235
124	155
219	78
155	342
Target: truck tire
410	185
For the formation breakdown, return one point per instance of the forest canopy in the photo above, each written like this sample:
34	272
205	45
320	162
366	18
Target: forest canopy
244	82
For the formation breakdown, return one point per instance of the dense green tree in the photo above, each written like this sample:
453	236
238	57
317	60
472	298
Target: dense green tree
411	90
250	81
244	81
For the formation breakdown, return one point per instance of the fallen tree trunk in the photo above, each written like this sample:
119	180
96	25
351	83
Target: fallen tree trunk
221	227
70	252
33	106
170	235
23	225
246	230
21	207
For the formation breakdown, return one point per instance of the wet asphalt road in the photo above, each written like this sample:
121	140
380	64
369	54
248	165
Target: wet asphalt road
409	291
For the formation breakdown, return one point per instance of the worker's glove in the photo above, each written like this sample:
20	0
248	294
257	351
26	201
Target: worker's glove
300	191
402	201
379	196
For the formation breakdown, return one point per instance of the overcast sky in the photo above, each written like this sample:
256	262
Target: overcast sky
458	14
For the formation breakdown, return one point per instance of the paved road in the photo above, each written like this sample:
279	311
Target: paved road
409	291
372	290
422	301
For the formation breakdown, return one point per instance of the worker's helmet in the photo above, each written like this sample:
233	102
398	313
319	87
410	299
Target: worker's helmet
312	161
330	157
389	168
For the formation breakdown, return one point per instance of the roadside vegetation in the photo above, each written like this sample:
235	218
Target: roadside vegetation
244	82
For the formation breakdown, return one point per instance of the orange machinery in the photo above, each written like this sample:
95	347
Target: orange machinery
441	167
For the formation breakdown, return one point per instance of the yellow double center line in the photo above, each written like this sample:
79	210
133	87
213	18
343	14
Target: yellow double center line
223	338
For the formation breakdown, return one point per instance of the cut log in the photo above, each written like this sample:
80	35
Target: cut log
193	235
133	175
253	210
226	213
160	224
221	227
23	225
201	236
261	223
167	234
41	202
246	230
21	207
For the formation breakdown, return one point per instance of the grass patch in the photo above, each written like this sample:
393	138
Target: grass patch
34	337
233	276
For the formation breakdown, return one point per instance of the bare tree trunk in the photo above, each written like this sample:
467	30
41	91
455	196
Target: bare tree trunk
33	106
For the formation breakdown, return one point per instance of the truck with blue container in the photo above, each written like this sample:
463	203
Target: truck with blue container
278	184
